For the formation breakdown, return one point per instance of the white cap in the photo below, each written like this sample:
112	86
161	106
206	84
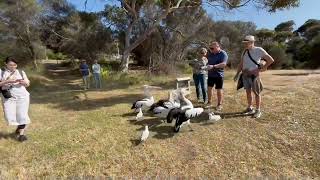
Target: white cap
249	38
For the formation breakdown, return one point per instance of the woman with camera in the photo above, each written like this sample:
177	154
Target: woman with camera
15	97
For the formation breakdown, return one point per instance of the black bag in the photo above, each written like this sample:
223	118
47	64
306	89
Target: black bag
240	82
6	92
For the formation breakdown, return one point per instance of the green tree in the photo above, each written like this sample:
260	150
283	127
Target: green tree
285	26
315	52
282	59
265	35
21	18
162	8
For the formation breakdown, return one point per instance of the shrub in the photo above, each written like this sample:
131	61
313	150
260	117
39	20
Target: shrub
56	56
278	52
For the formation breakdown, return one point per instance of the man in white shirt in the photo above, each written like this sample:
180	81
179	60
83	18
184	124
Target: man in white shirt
96	69
251	66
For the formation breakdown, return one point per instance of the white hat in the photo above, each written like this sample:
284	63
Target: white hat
249	38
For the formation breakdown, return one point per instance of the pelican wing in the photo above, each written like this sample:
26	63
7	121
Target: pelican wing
161	112
193	112
174	113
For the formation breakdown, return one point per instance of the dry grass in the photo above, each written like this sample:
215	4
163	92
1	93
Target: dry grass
93	136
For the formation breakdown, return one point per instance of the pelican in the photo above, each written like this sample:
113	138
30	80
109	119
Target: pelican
146	102
162	107
139	115
145	134
183	114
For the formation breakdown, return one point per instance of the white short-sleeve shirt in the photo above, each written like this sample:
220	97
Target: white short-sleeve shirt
256	53
16	89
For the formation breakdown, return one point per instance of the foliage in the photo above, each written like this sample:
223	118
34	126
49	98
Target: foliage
278	52
285	26
56	56
19	24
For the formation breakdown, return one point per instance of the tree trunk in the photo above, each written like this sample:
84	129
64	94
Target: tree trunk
124	67
129	47
35	64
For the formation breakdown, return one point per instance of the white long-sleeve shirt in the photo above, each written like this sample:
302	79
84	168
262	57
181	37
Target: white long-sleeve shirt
96	68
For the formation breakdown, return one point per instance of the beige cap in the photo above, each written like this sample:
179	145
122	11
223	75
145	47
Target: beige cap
249	38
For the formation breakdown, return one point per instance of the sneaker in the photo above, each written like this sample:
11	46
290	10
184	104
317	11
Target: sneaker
200	101
257	114
219	107
22	138
208	105
249	110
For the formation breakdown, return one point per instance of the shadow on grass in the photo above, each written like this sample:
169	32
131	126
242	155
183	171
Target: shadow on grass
89	104
233	115
296	74
163	132
171	84
7	136
159	128
135	142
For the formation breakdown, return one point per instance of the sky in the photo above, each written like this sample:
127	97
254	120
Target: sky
308	9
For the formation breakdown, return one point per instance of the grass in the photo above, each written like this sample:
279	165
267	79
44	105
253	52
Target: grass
93	135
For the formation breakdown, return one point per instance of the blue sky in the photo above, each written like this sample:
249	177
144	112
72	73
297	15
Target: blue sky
308	9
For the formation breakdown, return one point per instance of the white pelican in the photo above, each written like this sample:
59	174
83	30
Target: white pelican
183	114
139	115
146	102
162	107
145	134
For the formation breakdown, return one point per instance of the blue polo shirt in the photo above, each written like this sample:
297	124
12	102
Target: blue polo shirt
84	69
214	59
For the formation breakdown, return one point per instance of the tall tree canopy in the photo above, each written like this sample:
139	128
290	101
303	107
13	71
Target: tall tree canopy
162	8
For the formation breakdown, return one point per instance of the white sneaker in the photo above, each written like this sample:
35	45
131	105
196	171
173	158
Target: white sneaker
257	114
208	105
219	107
249	110
200	101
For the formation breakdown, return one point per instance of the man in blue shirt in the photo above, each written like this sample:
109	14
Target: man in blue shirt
217	60
84	70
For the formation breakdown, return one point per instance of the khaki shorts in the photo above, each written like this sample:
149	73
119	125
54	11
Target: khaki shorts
252	82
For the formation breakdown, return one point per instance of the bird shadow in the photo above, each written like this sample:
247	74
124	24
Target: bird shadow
163	132
135	142
130	114
147	121
157	126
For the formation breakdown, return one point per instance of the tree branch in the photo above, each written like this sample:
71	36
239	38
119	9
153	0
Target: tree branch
232	6
130	9
59	35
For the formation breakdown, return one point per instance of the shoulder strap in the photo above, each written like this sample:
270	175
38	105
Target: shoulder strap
2	72
250	57
21	73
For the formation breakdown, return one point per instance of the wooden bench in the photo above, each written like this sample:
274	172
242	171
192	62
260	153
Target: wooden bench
184	82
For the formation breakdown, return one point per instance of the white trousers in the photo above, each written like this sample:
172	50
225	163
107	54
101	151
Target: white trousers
16	110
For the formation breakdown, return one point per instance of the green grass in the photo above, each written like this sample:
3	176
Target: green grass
93	135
